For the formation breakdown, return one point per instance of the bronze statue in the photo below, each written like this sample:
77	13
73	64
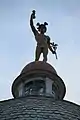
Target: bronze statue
43	41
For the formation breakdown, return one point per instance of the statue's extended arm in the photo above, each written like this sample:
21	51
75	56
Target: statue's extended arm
49	46
31	22
51	49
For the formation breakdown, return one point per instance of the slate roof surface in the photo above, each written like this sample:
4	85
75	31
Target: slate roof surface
38	108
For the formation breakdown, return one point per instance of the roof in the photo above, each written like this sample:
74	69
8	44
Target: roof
38	65
38	108
39	69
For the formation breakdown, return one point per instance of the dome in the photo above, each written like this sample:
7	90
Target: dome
38	108
39	74
39	65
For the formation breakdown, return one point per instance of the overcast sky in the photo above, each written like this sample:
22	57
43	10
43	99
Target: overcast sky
17	43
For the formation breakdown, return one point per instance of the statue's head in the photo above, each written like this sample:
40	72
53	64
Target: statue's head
42	27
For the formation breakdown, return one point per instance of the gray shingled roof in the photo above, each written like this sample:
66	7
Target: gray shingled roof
38	108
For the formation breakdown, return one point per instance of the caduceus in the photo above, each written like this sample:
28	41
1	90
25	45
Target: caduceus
54	46
43	41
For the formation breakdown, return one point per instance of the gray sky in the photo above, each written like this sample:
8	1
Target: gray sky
17	44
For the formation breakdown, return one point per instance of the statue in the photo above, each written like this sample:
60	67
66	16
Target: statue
43	41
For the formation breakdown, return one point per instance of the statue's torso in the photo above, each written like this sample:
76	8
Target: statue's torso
41	40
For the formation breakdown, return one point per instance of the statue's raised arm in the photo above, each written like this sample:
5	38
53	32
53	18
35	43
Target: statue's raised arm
32	24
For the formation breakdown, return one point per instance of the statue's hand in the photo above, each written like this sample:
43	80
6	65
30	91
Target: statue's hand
33	14
54	52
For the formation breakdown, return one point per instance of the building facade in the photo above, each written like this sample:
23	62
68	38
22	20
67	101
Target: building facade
38	95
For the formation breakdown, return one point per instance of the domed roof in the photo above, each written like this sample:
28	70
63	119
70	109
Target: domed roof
38	65
38	108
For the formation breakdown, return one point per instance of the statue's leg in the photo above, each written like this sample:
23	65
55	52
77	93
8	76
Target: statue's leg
37	53
45	52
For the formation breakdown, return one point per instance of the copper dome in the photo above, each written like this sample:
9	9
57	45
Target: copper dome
39	65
